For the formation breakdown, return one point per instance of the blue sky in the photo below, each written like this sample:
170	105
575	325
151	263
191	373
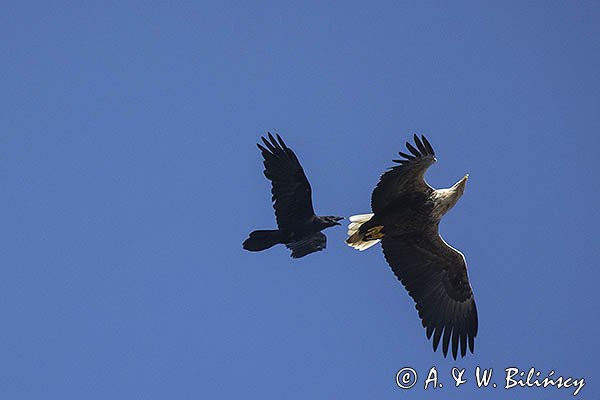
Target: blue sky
130	178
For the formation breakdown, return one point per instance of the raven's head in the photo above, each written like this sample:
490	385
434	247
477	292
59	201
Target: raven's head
331	220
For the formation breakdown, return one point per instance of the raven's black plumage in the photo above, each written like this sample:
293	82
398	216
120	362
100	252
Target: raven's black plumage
406	216
299	227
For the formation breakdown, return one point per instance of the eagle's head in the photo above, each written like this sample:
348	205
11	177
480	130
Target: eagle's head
459	187
445	199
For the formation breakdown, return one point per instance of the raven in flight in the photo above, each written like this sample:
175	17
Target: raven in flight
406	215
299	227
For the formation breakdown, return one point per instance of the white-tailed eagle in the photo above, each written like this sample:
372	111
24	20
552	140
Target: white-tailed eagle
405	219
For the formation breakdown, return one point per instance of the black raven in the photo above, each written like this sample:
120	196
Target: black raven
406	215
299	227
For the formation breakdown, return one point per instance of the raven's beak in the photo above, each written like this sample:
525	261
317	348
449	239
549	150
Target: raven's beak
338	219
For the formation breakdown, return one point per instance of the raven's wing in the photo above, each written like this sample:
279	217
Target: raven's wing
290	187
435	275
406	177
307	245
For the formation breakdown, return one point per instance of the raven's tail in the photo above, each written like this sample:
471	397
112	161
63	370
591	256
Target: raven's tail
262	240
357	239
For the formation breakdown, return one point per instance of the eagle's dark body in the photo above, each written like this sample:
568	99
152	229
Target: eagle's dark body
406	216
408	213
299	229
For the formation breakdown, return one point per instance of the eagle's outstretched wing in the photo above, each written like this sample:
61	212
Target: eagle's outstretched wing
406	177
290	187
435	275
307	245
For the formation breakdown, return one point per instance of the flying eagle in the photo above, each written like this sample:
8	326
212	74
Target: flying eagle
299	227
405	219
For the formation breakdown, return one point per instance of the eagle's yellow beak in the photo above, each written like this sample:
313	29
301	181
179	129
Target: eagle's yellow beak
460	185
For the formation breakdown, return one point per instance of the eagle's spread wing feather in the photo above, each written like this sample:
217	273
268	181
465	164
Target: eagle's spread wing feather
435	275
408	176
290	187
307	245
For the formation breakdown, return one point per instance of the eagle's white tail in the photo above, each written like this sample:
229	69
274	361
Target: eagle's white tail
355	239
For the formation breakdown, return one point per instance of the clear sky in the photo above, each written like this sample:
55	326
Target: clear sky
130	178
